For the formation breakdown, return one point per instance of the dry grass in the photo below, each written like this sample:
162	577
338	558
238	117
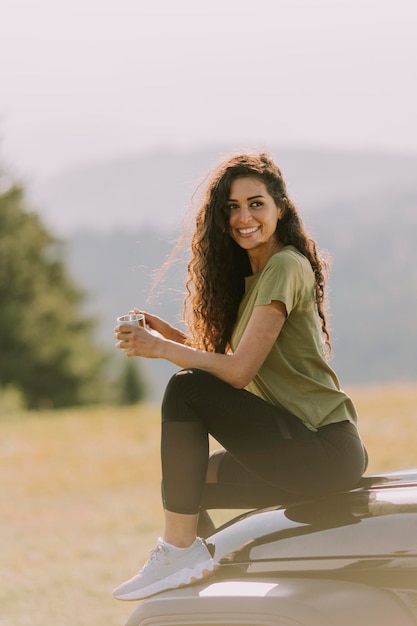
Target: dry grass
80	508
388	424
80	503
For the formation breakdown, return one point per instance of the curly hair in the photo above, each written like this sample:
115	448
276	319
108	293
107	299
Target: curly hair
216	272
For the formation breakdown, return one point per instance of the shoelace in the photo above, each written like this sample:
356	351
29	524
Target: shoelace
155	555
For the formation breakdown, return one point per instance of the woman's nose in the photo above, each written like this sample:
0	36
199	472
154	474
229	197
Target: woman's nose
245	214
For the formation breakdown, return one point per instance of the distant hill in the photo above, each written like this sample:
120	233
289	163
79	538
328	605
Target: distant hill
373	285
362	208
154	190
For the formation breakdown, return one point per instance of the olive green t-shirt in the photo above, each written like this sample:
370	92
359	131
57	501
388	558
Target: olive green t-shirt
295	375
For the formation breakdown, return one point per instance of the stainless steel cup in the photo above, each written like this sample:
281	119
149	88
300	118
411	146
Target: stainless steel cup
132	319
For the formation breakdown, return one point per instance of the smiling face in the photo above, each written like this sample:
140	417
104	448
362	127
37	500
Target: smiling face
253	218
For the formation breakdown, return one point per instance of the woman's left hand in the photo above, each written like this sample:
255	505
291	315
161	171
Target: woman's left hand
138	341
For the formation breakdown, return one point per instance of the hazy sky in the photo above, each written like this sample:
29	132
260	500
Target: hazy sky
87	79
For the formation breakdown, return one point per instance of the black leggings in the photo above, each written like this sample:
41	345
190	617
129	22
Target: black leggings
269	456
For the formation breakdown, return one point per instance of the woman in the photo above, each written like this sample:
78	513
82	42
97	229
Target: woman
254	373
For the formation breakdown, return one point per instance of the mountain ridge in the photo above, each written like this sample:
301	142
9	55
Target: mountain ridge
155	189
361	208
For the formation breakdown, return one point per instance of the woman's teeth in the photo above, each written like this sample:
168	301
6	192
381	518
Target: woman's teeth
248	231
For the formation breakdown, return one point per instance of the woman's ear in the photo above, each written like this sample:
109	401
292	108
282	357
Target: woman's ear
282	207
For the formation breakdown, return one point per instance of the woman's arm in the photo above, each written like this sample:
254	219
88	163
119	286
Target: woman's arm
237	369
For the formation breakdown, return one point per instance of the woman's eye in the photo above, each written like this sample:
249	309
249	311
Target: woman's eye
256	204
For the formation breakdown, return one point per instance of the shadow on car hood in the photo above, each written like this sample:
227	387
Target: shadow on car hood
374	523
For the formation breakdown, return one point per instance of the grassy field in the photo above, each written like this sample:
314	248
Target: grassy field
80	505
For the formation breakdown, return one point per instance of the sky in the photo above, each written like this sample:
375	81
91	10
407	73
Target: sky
86	80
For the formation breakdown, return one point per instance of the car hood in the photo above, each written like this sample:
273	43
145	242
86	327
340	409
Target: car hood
375	523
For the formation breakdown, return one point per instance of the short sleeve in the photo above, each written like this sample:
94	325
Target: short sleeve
282	279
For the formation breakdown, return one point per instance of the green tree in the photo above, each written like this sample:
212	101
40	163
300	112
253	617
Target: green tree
46	346
132	387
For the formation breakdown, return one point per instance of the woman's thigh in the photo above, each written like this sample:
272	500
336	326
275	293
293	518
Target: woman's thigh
265	441
233	416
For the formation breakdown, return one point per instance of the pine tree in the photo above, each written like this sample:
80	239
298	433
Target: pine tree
132	387
47	349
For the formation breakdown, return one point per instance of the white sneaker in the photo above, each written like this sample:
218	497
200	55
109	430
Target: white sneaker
168	568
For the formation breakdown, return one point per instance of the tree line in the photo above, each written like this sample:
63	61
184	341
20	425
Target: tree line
48	352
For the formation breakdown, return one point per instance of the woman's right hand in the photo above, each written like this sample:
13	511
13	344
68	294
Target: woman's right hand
153	322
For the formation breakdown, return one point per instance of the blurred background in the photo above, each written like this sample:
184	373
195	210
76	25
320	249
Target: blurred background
111	115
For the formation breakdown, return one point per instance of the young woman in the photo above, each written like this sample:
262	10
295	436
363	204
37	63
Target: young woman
254	373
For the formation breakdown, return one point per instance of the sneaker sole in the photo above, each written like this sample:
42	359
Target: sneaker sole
182	578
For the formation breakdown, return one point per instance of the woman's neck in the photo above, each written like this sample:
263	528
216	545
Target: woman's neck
259	257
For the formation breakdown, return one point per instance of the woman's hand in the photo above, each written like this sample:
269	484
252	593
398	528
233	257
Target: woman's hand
139	341
162	327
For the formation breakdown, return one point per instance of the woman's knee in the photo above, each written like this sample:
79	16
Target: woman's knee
184	378
183	387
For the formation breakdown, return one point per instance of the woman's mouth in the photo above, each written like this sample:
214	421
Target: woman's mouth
245	232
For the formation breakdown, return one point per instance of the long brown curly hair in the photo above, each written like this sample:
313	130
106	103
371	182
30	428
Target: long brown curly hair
218	266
